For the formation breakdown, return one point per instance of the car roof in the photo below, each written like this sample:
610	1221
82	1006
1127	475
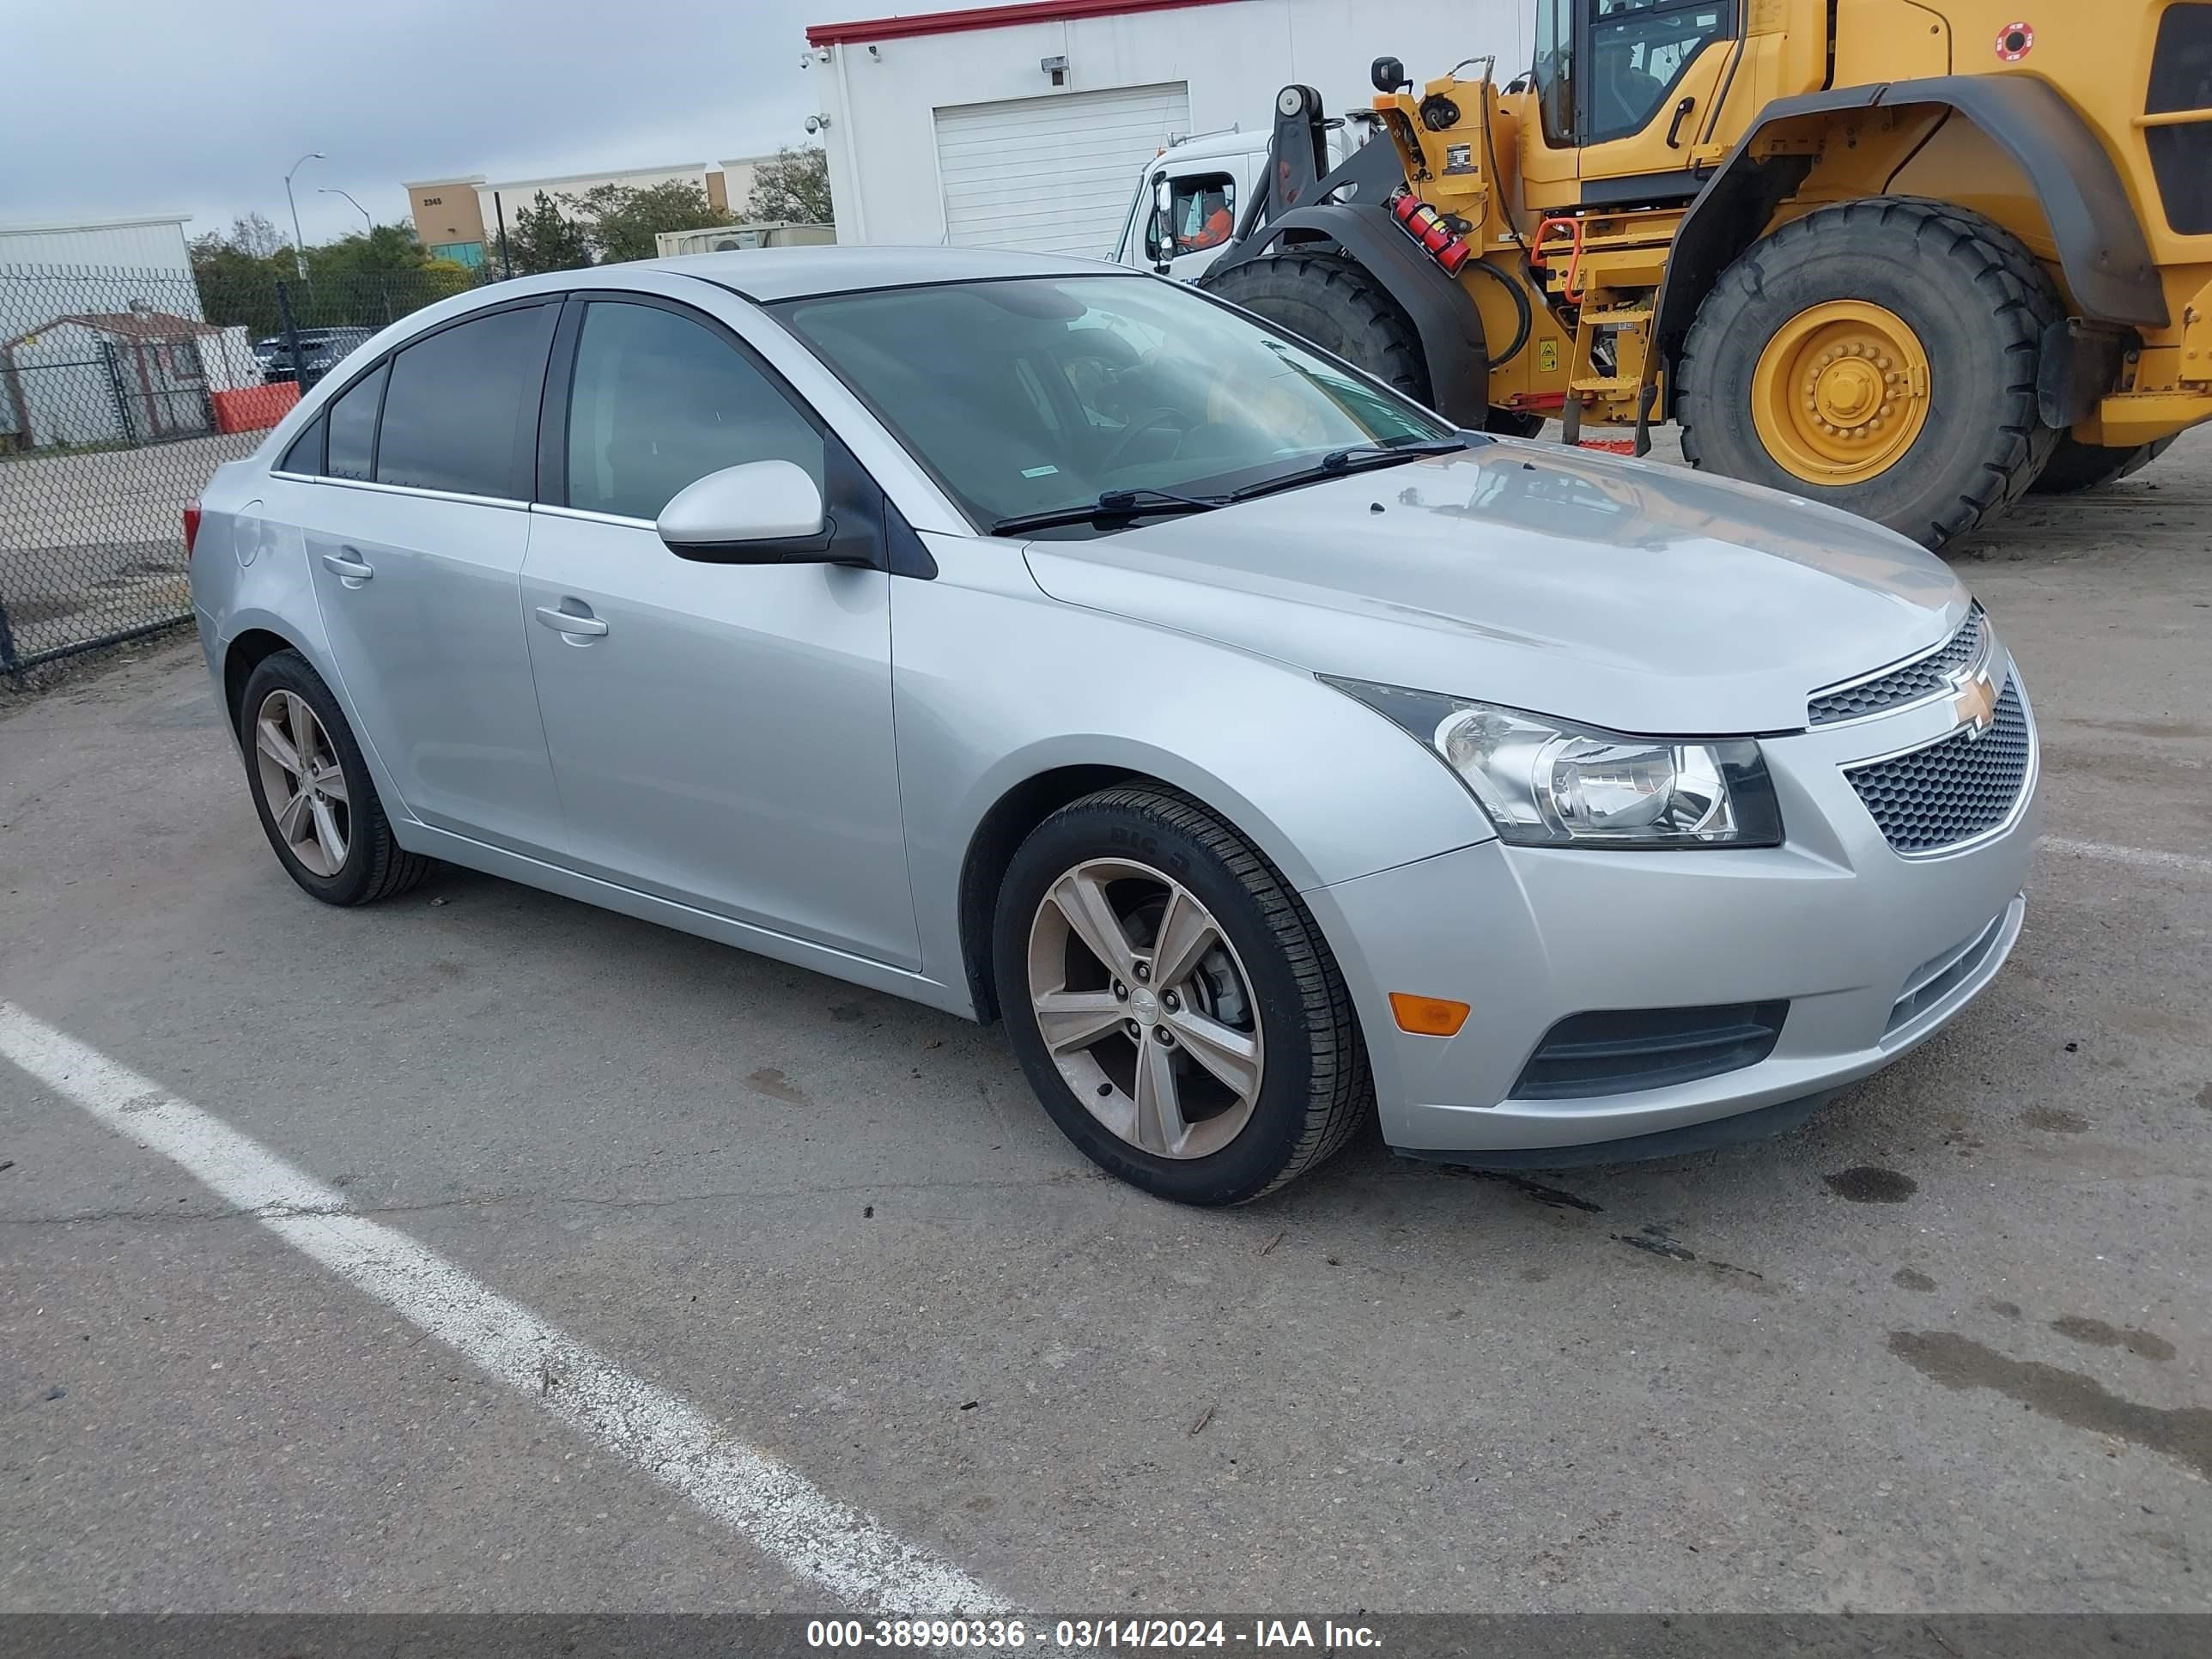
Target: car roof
789	273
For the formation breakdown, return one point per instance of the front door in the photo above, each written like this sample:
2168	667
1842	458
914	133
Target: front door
721	733
1648	76
415	546
1201	217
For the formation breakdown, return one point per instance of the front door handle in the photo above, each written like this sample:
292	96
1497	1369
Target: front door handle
346	568
568	622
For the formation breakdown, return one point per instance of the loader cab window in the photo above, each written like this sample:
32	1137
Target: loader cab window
1552	75
1632	54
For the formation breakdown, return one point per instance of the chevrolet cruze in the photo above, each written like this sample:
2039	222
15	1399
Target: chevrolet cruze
1053	643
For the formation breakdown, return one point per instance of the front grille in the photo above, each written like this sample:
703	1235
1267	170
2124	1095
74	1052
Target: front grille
2181	155
1925	677
1953	790
1617	1051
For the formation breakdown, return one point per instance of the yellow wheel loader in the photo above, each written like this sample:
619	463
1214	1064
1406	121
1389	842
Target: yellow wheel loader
1909	260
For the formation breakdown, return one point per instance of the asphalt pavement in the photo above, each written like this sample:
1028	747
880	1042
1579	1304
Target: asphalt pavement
1947	1348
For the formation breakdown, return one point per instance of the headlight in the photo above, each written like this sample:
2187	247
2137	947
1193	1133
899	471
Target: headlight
1548	783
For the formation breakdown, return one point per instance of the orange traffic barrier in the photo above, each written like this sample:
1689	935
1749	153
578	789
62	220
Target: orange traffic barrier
251	408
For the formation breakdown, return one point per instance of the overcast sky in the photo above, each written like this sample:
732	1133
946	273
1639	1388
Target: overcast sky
199	106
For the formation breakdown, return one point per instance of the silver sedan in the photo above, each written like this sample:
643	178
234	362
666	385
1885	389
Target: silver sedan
1052	643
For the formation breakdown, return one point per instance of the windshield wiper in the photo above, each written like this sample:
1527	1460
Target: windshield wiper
1357	457
1112	504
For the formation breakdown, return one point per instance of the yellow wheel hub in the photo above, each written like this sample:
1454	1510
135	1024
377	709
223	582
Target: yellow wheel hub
1840	391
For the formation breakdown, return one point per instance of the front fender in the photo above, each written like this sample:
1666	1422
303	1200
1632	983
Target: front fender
1453	345
2100	242
993	689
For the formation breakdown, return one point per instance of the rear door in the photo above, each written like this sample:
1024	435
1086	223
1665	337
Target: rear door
414	545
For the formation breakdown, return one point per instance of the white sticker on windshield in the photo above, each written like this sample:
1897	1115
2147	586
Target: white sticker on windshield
1039	471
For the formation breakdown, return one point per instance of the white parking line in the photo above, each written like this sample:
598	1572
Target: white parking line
815	1537
2143	858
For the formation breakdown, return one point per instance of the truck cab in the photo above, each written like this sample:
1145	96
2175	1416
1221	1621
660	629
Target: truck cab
1188	198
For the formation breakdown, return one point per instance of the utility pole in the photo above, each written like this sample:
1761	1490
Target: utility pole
299	247
368	224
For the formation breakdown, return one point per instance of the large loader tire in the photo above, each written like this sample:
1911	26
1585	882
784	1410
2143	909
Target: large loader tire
1880	356
1337	304
2075	465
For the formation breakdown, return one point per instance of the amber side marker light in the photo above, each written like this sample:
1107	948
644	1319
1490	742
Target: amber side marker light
1428	1015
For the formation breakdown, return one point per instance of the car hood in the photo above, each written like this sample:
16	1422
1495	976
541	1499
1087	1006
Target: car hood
1620	594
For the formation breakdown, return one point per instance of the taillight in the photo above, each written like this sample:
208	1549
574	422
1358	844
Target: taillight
191	526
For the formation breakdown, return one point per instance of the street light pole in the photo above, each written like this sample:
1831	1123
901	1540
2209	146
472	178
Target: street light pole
299	253
367	223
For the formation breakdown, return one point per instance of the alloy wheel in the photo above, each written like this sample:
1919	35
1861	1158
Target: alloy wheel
1145	1008
302	782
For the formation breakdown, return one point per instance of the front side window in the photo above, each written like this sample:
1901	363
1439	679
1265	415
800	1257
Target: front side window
1202	210
660	401
1042	394
462	412
1639	49
353	427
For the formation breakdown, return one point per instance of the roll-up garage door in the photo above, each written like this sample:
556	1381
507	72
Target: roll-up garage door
1052	175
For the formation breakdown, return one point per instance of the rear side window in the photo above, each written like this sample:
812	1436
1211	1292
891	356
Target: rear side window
659	402
462	412
353	427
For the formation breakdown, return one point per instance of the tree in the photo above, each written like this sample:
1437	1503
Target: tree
251	235
541	237
794	188
237	272
379	251
623	221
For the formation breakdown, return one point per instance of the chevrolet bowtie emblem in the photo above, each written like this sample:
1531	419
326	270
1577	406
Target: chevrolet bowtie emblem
1976	704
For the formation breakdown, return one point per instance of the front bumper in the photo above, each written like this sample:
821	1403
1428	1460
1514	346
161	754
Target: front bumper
1873	951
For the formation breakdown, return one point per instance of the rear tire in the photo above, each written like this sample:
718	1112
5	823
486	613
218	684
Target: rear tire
1263	976
345	852
2074	465
1977	305
1327	299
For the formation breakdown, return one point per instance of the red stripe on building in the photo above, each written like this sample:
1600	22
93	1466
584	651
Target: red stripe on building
987	17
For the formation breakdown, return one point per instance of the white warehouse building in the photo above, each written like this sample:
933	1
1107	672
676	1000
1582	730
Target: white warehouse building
1027	125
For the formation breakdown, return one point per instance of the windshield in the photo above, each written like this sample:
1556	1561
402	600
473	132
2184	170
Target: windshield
1042	394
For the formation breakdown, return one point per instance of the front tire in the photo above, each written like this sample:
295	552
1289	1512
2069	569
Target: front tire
1173	1003
2074	465
1337	304
1881	356
312	789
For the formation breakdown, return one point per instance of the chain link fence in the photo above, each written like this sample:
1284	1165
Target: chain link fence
120	390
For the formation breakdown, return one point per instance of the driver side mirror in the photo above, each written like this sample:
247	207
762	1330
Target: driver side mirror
1162	236
739	514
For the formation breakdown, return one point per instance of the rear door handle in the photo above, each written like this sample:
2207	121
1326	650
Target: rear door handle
568	622
346	568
